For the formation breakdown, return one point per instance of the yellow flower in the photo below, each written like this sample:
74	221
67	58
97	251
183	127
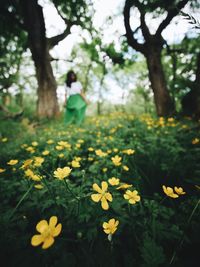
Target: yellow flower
50	141
90	159
30	149
169	192
78	145
61	155
116	160
90	149
27	163
179	190
195	141
47	232
29	173
5	139
75	164
124	186
128	151
59	148
113	181
45	152
12	162
102	195
104	169
34	143
77	158
110	227
62	173
38	186
100	153
132	196
126	168
38	161
2	170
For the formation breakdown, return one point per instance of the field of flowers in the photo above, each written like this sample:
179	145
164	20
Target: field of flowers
122	190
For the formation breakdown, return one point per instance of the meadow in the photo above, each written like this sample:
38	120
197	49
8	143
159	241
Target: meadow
121	190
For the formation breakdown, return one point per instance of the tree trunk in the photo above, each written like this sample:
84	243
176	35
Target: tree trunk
163	101
47	105
191	101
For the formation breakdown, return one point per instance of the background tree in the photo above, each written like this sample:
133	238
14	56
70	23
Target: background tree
151	45
28	15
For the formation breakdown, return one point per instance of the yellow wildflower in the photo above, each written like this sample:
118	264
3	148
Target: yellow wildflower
38	161
12	162
38	186
128	151
61	155
195	141
116	160
34	143
30	149
78	145
5	139
47	232
132	196
45	152
102	195
90	159
169	192
77	158
59	148
179	190
62	173
50	141
110	227
27	163
124	186
113	181
126	168
2	170
75	164
100	153
90	149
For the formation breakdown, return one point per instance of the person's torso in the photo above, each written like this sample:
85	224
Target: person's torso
75	88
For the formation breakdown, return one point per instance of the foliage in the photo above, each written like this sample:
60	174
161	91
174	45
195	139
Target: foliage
142	152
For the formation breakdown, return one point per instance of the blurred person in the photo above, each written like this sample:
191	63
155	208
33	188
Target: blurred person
75	100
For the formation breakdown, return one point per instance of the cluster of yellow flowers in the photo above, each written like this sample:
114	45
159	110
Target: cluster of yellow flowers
170	192
105	197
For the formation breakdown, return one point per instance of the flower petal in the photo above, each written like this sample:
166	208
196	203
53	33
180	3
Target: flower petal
41	226
57	230
105	225
109	197
104	204
104	186
53	221
97	188
96	197
48	242
36	240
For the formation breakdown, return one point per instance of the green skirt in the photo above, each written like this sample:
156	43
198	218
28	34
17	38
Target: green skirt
75	110
75	102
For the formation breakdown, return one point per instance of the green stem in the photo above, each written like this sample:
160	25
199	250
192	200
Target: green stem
69	190
20	201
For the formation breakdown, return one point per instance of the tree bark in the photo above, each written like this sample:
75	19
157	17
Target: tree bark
163	101
47	105
191	101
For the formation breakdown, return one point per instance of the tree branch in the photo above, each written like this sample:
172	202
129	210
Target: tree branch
129	33
56	39
171	14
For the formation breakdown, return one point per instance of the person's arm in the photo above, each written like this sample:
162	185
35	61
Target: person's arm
84	98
